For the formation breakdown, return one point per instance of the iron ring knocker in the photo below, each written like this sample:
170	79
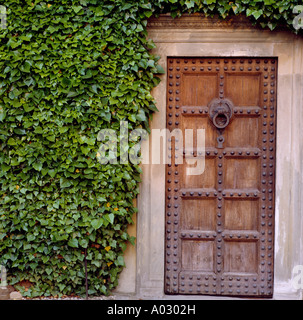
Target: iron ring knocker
220	112
221	119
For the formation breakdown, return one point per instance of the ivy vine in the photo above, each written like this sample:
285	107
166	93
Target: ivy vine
67	70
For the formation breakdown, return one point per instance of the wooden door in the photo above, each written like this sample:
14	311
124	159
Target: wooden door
220	225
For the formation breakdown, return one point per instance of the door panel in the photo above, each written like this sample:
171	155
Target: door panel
199	89
241	257
243	88
198	215
220	224
249	126
198	255
241	214
189	122
241	173
206	180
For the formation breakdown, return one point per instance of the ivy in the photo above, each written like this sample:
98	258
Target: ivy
266	13
69	69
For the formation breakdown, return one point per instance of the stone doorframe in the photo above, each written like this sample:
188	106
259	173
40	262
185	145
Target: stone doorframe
196	36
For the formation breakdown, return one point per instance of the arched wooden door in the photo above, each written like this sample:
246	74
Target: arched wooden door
220	225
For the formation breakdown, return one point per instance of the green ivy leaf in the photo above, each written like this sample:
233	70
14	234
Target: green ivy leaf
2	114
109	217
77	8
73	243
159	69
19	131
26	67
190	3
97	223
51	138
141	116
37	166
83	243
11	142
120	261
48	270
257	14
